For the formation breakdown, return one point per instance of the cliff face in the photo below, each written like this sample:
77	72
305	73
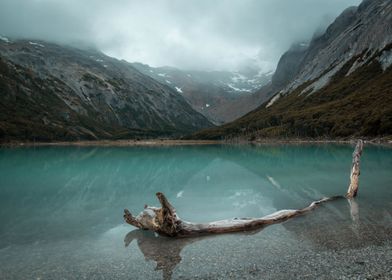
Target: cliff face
289	66
52	92
339	86
358	31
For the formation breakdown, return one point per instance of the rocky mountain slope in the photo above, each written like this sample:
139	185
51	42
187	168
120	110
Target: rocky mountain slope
221	96
52	92
338	86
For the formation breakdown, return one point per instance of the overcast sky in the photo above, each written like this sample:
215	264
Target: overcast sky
189	34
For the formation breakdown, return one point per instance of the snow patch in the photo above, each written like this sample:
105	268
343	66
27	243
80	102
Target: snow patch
4	39
161	74
385	59
178	89
36	44
273	100
167	81
151	71
99	60
238	78
189	75
238	89
207	105
253	81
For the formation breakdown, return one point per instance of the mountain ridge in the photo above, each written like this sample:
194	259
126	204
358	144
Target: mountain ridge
339	86
221	96
96	96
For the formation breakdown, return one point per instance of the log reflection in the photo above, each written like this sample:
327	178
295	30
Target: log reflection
166	252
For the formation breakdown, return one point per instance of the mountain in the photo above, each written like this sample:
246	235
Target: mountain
53	92
337	86
221	96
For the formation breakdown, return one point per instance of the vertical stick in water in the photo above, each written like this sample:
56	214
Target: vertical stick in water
355	172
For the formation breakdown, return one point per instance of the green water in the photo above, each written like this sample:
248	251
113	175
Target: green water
61	210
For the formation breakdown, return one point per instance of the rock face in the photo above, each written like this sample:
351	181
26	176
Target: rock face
221	96
288	66
338	86
52	92
358	31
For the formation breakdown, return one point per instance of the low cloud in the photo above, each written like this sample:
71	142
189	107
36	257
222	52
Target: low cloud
193	34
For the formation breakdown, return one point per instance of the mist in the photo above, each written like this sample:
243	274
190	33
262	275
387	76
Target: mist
193	34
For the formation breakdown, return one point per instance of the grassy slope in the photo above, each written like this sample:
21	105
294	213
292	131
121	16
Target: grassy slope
349	106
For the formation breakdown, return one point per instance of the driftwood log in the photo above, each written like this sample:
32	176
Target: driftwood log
354	175
165	221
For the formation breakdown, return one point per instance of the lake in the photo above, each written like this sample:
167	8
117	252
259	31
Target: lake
61	212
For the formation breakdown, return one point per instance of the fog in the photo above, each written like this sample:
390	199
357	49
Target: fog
191	34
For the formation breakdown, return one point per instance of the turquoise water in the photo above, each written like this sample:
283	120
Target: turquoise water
61	210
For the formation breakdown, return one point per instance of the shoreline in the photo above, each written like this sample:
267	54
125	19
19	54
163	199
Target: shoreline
173	142
114	143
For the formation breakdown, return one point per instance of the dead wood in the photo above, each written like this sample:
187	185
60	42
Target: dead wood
165	221
355	172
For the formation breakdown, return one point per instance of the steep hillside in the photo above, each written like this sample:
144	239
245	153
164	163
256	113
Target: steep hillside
51	92
221	96
339	87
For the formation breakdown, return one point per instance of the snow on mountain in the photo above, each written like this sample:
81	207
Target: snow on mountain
4	39
36	44
239	89
210	92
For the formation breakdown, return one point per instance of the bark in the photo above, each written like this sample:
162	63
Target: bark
355	172
165	221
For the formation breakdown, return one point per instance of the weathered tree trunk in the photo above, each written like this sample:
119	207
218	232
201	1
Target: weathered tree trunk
355	172
165	220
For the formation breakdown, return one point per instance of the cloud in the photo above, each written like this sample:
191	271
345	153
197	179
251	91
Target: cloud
192	34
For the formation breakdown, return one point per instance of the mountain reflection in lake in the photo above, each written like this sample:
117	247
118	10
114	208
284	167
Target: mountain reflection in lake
61	212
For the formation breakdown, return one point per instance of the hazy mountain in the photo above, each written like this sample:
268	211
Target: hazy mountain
221	96
337	86
55	92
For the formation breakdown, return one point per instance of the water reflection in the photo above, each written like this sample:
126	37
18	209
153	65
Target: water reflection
354	210
88	188
166	251
338	225
335	225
